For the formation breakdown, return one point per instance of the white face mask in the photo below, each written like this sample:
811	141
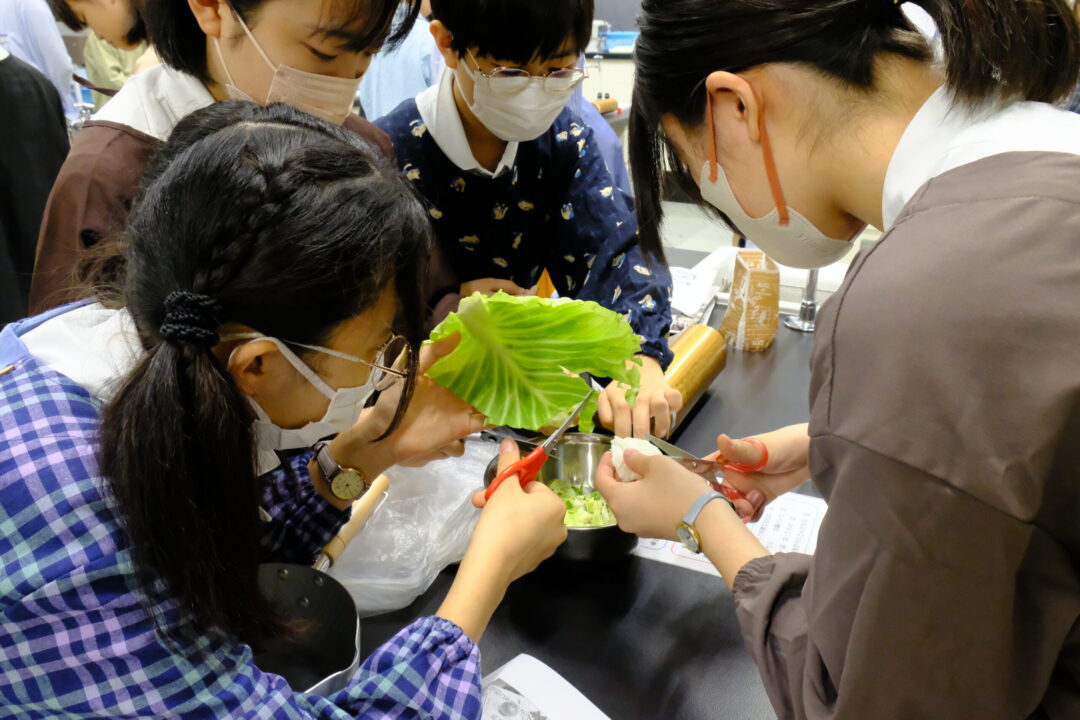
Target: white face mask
515	116
324	96
784	234
341	414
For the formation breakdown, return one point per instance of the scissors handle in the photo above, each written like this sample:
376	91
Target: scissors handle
526	469
708	469
748	468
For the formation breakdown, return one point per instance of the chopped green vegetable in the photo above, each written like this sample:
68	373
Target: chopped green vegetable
518	358
582	510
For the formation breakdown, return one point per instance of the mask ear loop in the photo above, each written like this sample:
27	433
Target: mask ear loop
766	151
254	42
770	166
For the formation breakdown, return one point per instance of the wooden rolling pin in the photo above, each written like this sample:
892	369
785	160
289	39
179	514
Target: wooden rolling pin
606	105
361	511
700	355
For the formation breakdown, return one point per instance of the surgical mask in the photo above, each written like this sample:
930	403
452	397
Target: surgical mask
330	98
341	414
783	234
515	115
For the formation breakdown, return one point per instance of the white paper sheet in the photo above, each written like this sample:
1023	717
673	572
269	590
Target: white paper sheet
789	524
527	689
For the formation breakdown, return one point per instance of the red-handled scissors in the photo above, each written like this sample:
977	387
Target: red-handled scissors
709	468
527	467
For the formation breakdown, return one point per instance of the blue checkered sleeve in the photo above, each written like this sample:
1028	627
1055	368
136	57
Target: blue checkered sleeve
75	640
301	520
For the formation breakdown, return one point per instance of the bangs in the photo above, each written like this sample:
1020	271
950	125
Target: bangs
360	25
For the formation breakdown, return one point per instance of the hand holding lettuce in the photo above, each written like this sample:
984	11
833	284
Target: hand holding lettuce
516	354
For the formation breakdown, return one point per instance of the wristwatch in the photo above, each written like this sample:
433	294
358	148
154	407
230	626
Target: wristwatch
345	482
688	534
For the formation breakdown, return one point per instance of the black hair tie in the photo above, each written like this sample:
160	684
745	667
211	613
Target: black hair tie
191	317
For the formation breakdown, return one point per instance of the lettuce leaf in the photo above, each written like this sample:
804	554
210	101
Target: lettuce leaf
513	352
582	510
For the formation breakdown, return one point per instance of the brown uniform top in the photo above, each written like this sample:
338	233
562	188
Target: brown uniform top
945	434
92	196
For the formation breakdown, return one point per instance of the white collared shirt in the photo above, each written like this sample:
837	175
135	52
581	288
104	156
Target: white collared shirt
942	137
440	114
97	347
154	100
92	345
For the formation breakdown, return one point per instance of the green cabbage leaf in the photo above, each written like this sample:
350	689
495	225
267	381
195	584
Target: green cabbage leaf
519	357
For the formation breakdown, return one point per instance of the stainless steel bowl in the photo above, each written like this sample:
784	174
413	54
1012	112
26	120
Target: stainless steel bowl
576	458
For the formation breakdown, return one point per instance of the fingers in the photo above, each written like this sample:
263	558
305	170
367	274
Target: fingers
641	463
604	410
429	354
621	419
478	500
641	417
738	451
509	453
606	481
454	449
661	414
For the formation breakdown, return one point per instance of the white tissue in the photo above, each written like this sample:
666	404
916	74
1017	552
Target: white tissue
619	446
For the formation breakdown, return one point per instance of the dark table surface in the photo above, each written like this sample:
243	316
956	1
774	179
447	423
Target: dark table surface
642	639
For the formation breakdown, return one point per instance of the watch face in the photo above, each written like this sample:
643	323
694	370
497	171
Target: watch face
686	537
347	484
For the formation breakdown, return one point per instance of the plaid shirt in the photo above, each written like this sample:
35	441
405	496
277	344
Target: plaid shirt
75	642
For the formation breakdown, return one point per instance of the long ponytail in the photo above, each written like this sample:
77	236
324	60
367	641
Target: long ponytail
270	219
177	450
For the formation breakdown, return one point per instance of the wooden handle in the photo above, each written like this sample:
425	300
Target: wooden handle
700	354
606	105
361	511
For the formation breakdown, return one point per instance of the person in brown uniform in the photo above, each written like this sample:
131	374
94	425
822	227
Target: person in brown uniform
945	389
308	53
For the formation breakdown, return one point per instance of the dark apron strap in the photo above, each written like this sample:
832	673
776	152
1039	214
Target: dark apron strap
91	86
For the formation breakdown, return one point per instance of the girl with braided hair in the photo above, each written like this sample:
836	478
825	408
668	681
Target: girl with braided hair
152	456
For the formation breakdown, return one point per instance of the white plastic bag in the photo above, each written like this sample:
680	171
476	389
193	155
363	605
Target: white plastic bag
423	525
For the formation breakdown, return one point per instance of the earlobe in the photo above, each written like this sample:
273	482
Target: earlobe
208	14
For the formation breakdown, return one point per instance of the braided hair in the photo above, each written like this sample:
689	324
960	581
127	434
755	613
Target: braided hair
266	217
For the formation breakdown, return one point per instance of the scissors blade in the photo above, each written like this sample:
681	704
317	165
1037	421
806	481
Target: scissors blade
688	460
555	436
669	449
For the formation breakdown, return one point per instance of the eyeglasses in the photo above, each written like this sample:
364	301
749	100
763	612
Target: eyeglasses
383	377
512	80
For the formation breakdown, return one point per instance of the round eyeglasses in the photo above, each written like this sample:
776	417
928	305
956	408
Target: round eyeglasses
513	80
394	351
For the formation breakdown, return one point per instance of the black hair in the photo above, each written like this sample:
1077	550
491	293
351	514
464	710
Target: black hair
993	49
135	34
181	43
280	222
518	31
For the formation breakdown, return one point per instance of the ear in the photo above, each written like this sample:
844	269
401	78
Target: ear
255	367
736	105
443	38
208	14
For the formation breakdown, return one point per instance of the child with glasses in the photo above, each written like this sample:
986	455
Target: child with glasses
516	184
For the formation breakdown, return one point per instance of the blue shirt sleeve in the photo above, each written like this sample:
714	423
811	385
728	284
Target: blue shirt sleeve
596	230
301	520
